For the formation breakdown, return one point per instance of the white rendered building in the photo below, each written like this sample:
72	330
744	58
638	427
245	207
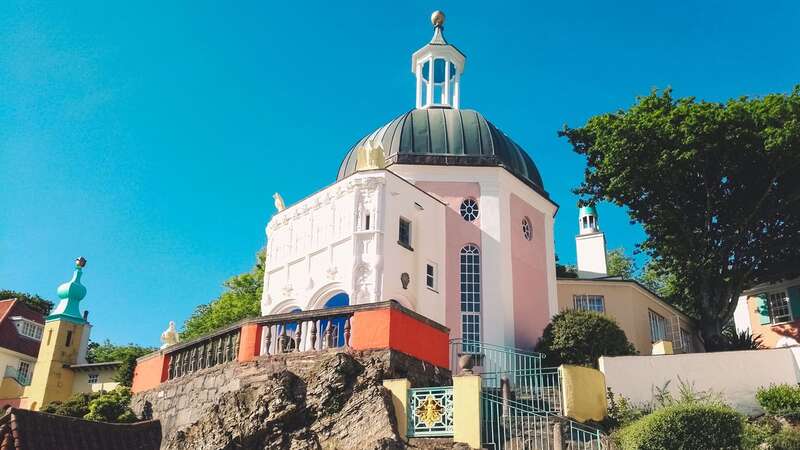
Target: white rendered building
438	210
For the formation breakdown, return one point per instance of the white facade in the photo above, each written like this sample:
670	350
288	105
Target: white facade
590	245
323	246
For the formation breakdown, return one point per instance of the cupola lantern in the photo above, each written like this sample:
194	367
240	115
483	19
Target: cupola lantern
438	67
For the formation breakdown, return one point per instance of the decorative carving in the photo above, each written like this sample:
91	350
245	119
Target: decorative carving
332	271
298	336
312	332
429	411
267	338
405	278
283	341
287	290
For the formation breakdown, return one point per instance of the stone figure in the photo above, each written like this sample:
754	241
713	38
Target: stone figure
279	205
170	336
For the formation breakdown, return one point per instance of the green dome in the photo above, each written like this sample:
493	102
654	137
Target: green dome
448	137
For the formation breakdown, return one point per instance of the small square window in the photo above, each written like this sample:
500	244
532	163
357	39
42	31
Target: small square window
779	307
431	276
404	235
93	378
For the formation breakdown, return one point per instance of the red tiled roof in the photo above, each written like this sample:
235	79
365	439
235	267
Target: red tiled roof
9	337
21	429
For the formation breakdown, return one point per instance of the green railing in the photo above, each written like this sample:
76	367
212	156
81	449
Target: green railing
510	425
519	371
430	411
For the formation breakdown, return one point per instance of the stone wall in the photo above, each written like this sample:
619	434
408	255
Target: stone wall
317	400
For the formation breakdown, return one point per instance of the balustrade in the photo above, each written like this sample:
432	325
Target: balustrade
306	331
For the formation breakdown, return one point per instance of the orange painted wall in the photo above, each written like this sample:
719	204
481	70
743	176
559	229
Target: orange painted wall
150	372
391	328
249	342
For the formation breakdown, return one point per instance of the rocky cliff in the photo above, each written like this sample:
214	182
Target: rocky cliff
323	400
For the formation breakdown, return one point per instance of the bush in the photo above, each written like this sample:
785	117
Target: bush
112	407
580	337
786	439
780	400
622	411
759	432
684	426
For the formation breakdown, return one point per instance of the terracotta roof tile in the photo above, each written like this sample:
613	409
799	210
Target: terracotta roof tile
21	429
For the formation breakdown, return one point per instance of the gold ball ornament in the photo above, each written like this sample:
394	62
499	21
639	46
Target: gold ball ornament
437	18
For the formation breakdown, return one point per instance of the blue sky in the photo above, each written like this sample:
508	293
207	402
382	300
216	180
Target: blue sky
149	136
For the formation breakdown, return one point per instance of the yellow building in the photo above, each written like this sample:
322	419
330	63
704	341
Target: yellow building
642	315
61	368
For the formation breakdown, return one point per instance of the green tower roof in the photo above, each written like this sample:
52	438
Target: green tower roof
71	293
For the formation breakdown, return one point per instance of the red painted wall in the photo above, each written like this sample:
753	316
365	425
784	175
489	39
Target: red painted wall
392	328
150	372
249	342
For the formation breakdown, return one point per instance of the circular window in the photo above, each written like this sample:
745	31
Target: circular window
527	232
469	209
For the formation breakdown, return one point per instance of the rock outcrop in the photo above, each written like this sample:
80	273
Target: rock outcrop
328	400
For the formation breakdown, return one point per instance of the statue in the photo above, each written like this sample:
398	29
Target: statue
170	336
370	156
279	205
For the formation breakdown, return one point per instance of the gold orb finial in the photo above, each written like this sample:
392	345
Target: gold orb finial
437	18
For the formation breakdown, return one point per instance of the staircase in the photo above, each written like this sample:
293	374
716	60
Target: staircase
521	401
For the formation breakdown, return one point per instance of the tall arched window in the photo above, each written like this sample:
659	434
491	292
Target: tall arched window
471	293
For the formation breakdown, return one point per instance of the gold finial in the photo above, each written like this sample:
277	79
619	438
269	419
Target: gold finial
437	18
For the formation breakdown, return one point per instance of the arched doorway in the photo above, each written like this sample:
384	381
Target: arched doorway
336	326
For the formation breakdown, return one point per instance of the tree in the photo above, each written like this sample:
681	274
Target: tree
580	337
619	264
565	271
111	406
127	354
242	299
713	184
33	301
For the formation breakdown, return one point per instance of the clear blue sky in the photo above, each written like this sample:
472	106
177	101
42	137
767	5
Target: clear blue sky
149	136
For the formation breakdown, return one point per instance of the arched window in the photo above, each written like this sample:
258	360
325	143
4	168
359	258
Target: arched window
470	293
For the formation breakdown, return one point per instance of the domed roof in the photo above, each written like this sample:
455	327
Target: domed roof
448	137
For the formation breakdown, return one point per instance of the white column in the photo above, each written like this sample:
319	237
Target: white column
419	85
446	90
456	89
430	83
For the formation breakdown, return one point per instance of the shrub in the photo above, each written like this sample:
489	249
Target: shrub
580	337
684	426
733	340
622	411
759	432
786	439
112	407
780	400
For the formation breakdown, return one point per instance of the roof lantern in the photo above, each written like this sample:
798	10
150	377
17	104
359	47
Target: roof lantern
438	67
71	293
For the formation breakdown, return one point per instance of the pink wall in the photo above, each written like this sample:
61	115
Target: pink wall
459	232
529	273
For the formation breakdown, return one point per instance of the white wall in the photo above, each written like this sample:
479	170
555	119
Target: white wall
590	250
735	375
321	246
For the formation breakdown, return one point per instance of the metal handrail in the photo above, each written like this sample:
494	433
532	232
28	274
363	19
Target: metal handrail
13	372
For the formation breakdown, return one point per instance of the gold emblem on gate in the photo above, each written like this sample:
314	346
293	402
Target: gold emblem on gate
429	411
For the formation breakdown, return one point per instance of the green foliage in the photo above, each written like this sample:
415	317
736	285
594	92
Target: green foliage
112	407
664	283
758	432
621	411
75	406
688	425
619	264
714	186
786	439
567	271
242	299
743	340
109	406
127	354
780	400
35	302
580	337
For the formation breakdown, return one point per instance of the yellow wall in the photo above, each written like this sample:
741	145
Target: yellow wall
398	388
584	393
467	410
51	381
628	304
105	381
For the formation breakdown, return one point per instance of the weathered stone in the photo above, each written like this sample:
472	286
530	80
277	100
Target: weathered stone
317	400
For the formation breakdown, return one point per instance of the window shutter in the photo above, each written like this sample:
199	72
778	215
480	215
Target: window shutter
794	301
762	309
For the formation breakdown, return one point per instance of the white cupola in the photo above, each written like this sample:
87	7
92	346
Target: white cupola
438	67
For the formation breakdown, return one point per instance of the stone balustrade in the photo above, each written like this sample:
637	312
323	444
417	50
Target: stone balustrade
385	325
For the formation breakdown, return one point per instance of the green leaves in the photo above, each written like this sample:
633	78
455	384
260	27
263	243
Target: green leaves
580	337
714	185
107	352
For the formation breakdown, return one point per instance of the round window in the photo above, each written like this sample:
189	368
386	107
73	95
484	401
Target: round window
469	209
527	232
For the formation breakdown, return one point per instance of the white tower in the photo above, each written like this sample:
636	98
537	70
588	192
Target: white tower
438	67
590	245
